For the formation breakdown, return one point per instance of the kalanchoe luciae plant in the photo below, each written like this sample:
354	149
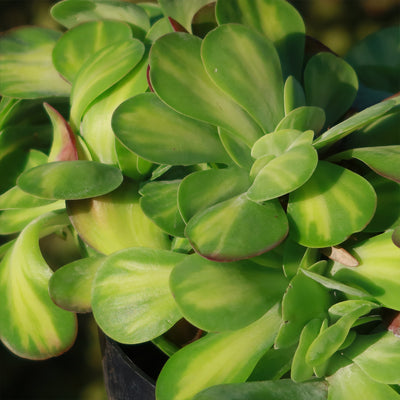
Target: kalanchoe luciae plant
225	174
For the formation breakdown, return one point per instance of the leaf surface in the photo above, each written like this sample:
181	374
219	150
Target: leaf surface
256	81
203	189
98	222
330	83
131	300
70	180
102	70
237	228
31	325
330	206
70	287
80	43
276	19
26	67
226	357
186	87
164	136
218	296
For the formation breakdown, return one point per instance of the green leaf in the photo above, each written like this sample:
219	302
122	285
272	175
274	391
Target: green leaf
351	383
131	164
8	107
237	228
330	339
203	189
98	221
160	28
384	160
286	160
283	389
381	132
13	221
195	94
96	126
70	180
15	198
131	300
79	44
387	214
160	203
276	19
217	358
293	94
70	287
63	147
353	123
303	301
383	282
237	149
376	59
293	254
26	67
277	143
335	285
74	12
102	70
301	370
273	364
330	83
163	136
31	325
257	71
153	11
303	118
182	11
378	356
334	203
285	173
14	160
218	296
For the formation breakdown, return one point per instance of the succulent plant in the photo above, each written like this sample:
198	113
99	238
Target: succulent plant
211	164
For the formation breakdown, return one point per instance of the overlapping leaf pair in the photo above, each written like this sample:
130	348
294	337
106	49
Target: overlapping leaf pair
241	153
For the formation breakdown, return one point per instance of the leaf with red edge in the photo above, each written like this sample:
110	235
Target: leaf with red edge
384	160
64	143
237	228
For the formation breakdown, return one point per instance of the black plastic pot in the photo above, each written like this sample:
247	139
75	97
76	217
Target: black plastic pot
130	371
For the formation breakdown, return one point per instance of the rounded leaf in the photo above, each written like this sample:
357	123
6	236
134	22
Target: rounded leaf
157	133
330	83
333	204
195	94
218	296
77	45
257	71
203	189
276	19
73	12
70	287
225	357
102	70
237	228
131	300
70	180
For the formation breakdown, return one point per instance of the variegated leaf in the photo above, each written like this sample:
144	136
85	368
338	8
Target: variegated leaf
31	325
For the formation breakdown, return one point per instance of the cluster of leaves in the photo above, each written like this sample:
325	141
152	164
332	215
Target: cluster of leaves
213	165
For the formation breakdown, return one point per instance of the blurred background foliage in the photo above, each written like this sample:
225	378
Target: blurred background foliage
77	374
